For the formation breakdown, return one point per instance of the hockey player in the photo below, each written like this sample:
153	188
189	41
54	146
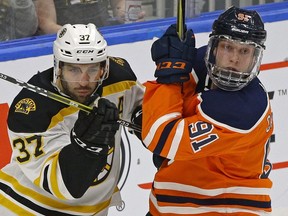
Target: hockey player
212	146
66	161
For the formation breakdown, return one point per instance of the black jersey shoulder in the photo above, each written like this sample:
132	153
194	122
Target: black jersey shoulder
119	70
32	112
239	109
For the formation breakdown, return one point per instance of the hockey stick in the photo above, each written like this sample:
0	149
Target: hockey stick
180	19
62	99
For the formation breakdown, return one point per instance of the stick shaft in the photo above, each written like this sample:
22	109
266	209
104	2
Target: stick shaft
180	19
61	99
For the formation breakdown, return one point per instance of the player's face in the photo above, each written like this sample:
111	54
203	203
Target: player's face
79	81
235	56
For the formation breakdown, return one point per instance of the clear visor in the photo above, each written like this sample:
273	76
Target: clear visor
231	63
82	72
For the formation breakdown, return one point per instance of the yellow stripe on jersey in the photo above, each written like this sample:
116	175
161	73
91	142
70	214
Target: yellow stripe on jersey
53	179
61	114
31	194
13	207
107	167
37	181
117	87
111	150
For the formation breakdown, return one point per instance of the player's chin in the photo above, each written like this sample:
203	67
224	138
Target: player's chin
81	98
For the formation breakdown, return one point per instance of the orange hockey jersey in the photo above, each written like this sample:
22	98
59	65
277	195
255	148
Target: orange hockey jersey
215	146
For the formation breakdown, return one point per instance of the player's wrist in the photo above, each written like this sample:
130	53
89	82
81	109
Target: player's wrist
94	148
172	70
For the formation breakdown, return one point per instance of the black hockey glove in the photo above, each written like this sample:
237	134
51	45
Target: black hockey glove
136	118
174	58
95	131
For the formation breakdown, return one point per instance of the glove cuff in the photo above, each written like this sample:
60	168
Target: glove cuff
97	150
169	66
179	78
170	70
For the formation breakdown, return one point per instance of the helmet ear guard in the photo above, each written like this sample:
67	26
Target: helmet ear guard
242	28
80	44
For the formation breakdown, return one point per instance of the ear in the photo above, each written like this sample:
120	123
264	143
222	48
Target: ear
59	72
215	51
58	80
102	71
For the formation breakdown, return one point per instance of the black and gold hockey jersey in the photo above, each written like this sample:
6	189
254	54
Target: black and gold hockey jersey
46	175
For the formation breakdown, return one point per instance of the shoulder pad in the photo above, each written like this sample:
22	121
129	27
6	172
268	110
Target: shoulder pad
239	109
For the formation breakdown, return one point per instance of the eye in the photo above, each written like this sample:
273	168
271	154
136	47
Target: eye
244	51
94	69
74	70
227	47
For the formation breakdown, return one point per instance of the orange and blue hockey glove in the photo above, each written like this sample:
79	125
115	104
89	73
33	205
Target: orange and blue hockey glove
174	58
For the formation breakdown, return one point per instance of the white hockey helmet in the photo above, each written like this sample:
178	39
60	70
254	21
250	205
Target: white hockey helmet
80	44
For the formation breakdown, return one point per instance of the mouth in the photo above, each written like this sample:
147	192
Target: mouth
232	69
83	91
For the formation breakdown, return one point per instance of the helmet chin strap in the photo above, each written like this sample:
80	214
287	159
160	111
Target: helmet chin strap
213	86
96	89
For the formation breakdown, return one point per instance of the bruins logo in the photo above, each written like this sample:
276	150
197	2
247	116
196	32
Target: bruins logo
25	106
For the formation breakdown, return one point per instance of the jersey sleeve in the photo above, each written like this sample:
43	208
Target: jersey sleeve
132	99
123	88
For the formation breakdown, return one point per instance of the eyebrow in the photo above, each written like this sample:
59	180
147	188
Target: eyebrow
78	66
